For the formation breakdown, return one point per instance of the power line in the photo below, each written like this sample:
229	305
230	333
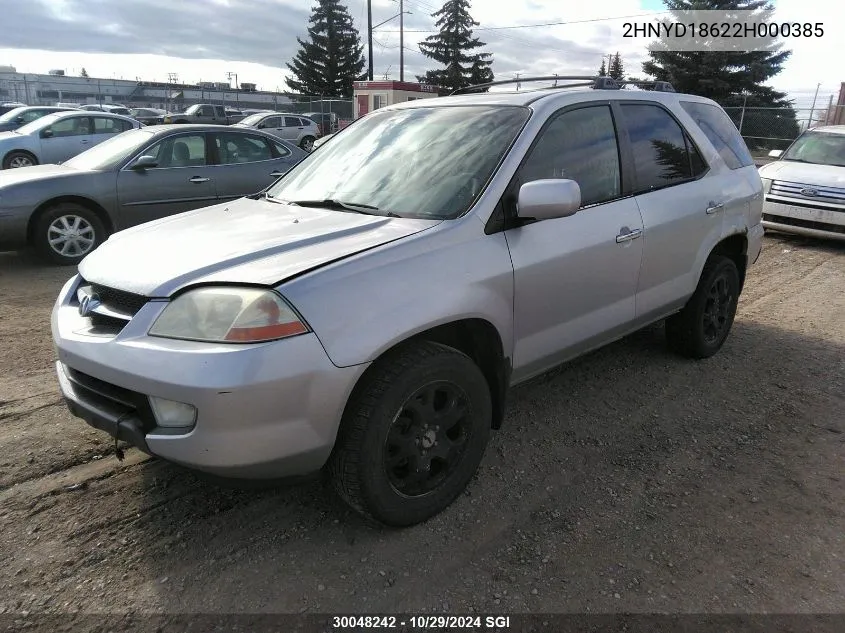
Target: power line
544	24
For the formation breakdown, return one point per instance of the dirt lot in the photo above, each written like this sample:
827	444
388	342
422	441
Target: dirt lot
630	480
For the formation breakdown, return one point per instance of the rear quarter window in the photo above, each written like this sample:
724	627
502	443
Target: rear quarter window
721	132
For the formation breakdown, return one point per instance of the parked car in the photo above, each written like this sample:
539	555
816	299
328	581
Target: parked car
369	312
200	113
106	107
234	115
148	116
66	210
18	117
291	127
805	186
10	105
56	137
326	121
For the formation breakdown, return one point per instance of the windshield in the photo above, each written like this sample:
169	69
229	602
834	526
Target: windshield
112	152
252	119
426	162
11	115
38	124
820	148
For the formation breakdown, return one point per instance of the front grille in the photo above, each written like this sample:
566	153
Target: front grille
800	191
119	300
807	224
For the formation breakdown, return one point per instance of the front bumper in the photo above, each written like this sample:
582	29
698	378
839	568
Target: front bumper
263	410
13	225
800	219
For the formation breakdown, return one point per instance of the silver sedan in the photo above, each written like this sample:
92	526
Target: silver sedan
65	211
57	137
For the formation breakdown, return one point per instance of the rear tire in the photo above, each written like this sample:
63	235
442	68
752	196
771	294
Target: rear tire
15	160
413	434
701	328
67	232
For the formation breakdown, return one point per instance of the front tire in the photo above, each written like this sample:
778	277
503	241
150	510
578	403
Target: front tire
15	160
701	328
67	232
307	143
413	435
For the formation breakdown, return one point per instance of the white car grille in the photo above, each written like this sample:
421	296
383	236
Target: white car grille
814	195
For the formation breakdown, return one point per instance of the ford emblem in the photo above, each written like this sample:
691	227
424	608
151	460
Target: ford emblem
809	192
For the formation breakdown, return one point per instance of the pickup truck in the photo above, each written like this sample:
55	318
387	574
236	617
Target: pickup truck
201	113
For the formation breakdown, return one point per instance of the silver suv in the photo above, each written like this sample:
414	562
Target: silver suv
368	313
295	128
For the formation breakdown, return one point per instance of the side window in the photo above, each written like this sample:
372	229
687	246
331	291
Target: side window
721	132
234	148
660	147
305	123
32	115
291	121
271	122
187	150
103	125
281	150
206	111
579	145
71	126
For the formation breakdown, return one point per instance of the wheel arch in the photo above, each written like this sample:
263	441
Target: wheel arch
479	340
19	151
89	204
734	247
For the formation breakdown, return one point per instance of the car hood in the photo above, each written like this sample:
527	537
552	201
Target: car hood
7	136
8	126
245	241
11	177
804	173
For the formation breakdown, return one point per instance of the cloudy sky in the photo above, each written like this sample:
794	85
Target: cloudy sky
202	40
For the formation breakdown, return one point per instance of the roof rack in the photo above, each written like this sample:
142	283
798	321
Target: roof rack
584	81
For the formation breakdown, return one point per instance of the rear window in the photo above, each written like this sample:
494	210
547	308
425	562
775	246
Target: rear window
721	132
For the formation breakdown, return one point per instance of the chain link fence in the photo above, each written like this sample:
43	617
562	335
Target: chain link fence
765	129
43	90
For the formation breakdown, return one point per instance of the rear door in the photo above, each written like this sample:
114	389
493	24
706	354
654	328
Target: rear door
181	181
106	127
65	139
247	163
272	125
678	196
292	128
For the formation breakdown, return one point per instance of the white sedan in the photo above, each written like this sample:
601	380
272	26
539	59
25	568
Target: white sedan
805	187
57	137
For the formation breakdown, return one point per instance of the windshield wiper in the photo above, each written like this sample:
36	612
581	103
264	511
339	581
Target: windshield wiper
355	207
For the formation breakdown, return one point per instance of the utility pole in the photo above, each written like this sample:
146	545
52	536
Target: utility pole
370	38
812	109
229	77
172	78
401	40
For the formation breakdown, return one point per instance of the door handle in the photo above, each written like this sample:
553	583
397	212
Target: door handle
199	179
277	173
84	141
628	235
713	208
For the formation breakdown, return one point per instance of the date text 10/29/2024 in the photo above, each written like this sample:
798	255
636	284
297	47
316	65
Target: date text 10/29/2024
487	623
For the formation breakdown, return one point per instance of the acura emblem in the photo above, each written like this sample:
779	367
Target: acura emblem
809	192
88	304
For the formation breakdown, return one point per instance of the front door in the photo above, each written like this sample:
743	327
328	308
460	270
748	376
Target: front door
181	181
363	104
575	278
65	139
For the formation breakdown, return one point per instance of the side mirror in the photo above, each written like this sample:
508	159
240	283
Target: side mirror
548	199
46	133
199	113
776	153
145	162
19	119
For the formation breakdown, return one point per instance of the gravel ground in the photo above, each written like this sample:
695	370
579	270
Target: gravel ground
627	481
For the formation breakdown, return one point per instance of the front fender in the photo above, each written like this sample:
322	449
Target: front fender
362	306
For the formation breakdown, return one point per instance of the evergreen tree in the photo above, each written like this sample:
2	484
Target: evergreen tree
332	58
603	69
453	48
84	73
727	77
615	69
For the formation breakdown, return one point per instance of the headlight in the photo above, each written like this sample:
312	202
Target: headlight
231	315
